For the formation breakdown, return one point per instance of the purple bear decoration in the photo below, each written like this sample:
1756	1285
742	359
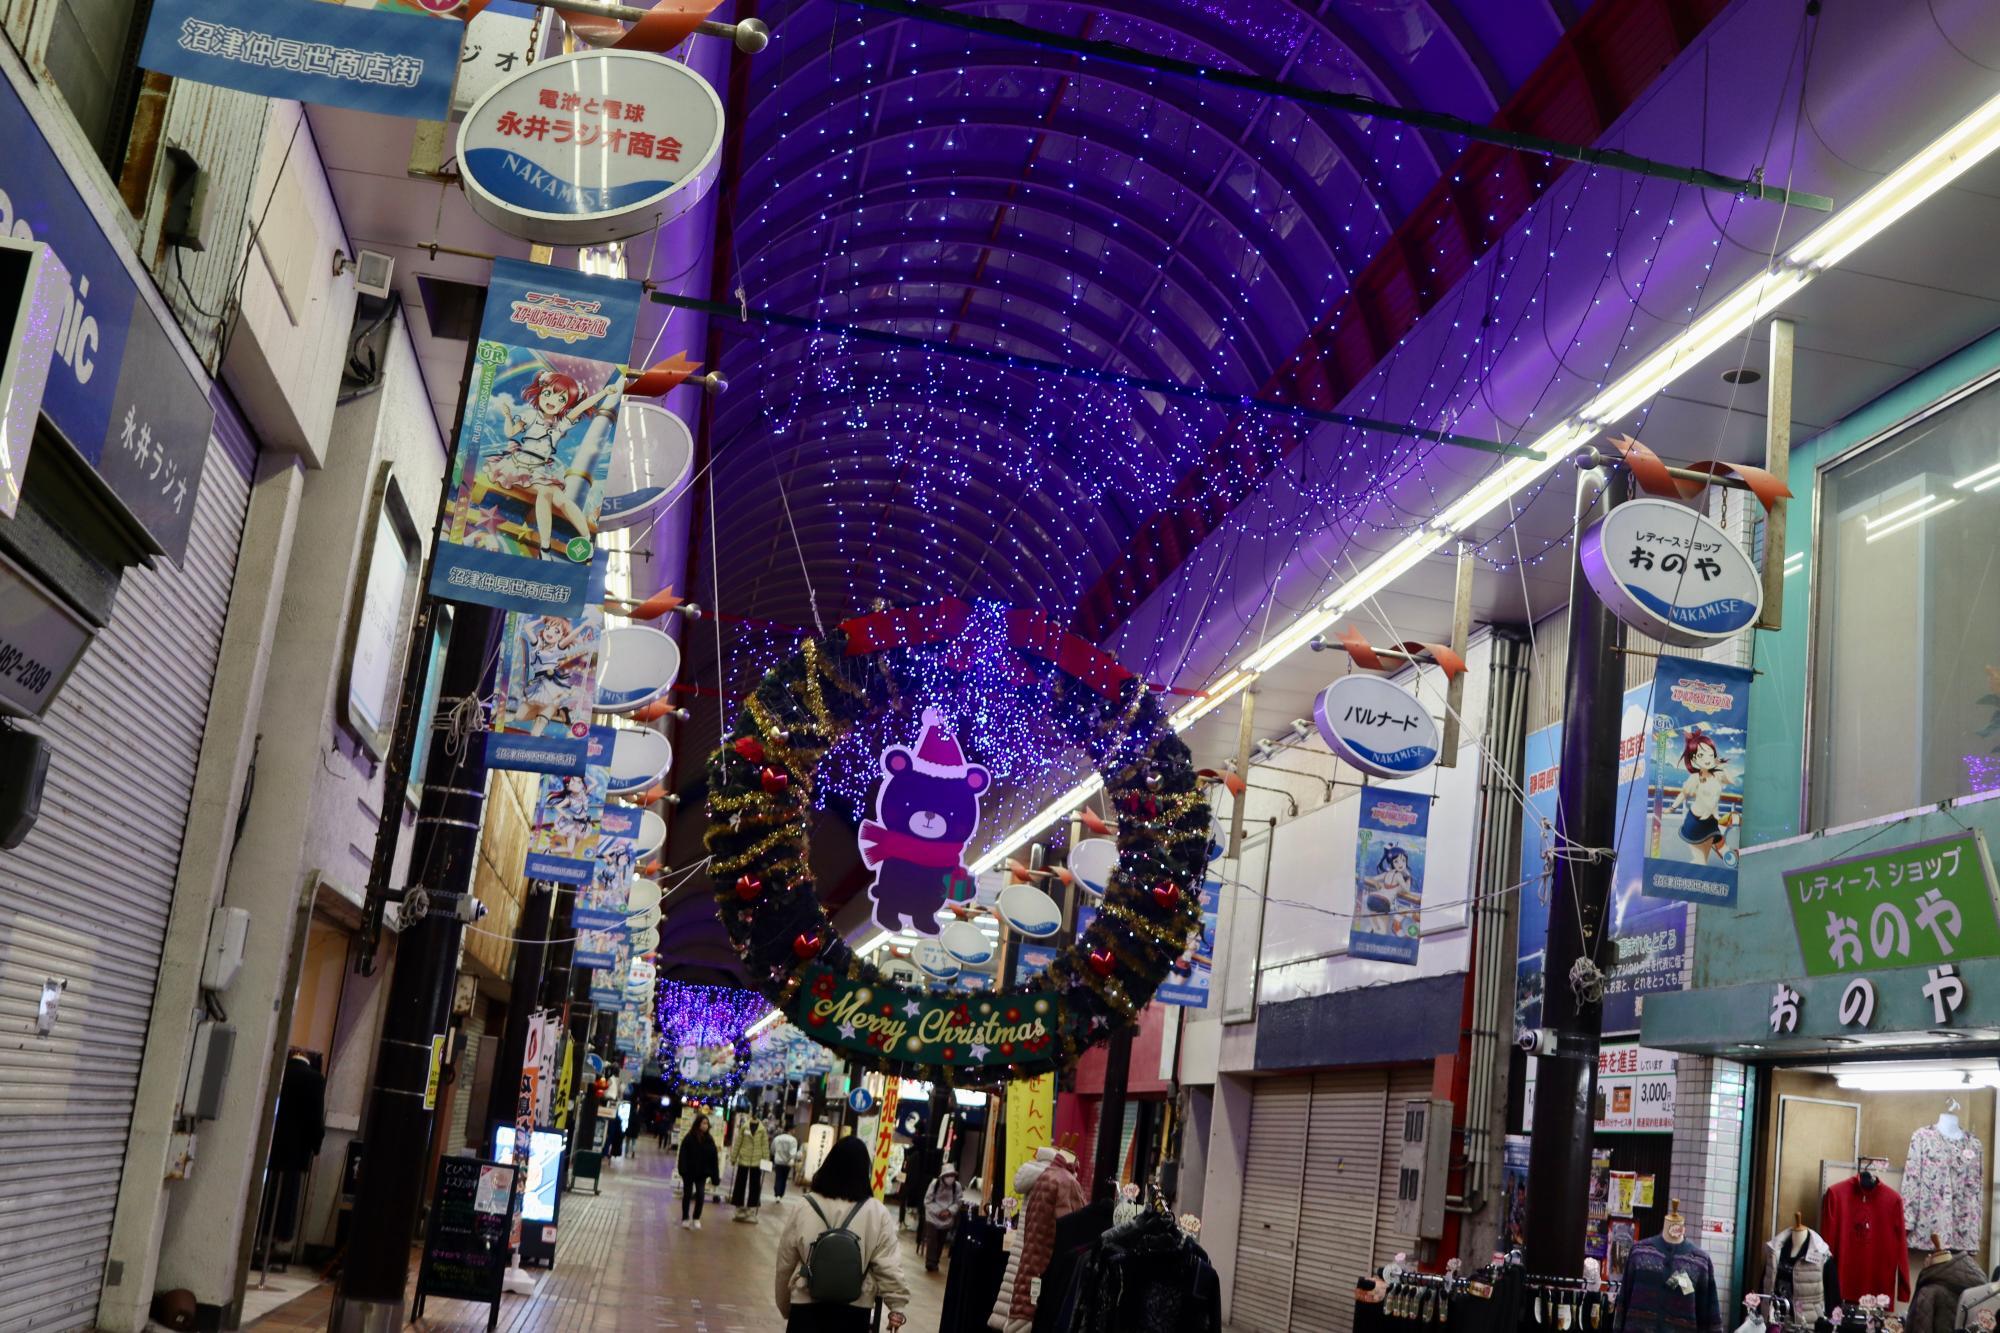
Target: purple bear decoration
925	815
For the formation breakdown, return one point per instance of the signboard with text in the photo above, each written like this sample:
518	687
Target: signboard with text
1698	732
1916	906
1389	875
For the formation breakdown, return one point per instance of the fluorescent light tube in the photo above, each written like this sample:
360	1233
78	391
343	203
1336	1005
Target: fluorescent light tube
1919	517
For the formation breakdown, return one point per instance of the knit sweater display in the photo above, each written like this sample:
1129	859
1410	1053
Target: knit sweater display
1669	1288
1864	1225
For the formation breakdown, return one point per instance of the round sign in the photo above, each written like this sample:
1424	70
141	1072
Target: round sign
652	835
590	147
933	961
861	1101
639	758
635	666
641	893
651	458
1094	861
967	943
1030	911
1668	572
1377	726
644	918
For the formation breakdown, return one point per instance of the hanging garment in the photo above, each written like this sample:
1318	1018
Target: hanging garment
1934	1307
1056	1193
1025	1179
973	1281
1078	1235
1944	1184
1805	1275
1668	1288
1147	1277
1864	1225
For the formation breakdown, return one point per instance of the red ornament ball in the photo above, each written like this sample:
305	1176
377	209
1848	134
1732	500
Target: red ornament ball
1103	962
1167	894
775	781
806	945
750	748
748	887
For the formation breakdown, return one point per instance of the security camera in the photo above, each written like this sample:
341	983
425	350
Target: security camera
470	909
1537	1041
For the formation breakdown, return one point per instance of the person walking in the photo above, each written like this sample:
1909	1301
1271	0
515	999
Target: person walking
698	1164
752	1146
940	1215
784	1152
843	1241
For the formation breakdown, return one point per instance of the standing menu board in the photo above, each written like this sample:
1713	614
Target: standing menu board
465	1245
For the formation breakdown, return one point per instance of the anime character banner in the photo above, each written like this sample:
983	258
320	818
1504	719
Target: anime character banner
1389	875
534	448
562	842
1189	982
1694	789
544	692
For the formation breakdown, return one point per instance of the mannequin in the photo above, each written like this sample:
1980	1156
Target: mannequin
1669	1283
1944	1183
1947	1121
1799	1271
1945	1277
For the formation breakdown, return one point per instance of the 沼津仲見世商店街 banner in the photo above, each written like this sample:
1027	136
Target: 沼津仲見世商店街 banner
336	55
1695	737
1389	875
534	444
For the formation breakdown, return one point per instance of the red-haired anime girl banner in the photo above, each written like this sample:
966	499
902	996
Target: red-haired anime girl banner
1694	791
534	446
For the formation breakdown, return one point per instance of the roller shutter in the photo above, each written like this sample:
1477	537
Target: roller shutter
1267	1241
85	901
1343	1176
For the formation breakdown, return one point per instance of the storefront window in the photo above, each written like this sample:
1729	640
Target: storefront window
92	54
1906	697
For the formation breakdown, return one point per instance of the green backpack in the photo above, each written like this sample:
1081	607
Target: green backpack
834	1267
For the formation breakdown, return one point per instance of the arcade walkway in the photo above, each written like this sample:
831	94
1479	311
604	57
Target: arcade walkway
623	1265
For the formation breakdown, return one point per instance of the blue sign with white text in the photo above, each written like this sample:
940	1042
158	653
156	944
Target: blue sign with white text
363	59
118	390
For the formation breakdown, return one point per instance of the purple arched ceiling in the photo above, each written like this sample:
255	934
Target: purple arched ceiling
963	188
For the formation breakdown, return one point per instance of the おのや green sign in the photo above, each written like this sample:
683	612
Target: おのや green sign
1914	906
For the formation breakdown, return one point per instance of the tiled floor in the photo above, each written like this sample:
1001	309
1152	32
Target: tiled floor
623	1263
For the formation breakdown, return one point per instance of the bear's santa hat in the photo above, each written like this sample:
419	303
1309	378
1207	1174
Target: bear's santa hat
937	751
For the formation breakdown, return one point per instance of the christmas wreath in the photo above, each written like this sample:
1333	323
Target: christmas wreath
695	1017
761	799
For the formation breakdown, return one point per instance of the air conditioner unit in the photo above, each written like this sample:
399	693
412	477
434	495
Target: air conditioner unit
374	273
1421	1168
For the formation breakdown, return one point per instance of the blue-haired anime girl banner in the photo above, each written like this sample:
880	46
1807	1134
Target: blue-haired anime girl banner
534	447
1694	788
562	841
1389	875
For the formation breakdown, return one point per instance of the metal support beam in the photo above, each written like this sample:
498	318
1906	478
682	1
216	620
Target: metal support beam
1610	158
1777	462
1246	738
1461	640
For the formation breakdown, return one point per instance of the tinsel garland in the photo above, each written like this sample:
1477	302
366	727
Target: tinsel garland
760	802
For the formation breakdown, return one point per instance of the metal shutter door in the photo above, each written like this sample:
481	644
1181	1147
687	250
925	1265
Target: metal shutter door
1343	1177
1412	1084
85	899
1267	1241
468	1065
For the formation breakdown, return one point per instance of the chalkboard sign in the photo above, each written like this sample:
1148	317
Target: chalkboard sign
465	1245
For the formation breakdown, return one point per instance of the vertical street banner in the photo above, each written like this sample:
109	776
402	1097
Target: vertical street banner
1389	875
1031	1124
534	448
562	841
1696	736
545	690
603	906
885	1133
1188	983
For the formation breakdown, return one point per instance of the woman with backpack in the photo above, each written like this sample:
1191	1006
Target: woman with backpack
698	1164
840	1254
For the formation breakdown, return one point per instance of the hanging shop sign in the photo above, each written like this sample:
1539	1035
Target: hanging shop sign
364	60
1094	861
932	960
543	692
1669	572
1377	726
1031	1124
1389	876
639	664
1194	971
1928	904
499	41
41	641
649	468
966	943
885	1136
535	442
1695	739
639	758
591	147
652	835
117	391
1029	911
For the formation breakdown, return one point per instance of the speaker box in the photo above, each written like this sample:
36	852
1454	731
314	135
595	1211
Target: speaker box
24	768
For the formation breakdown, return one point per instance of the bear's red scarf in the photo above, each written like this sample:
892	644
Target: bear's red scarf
881	843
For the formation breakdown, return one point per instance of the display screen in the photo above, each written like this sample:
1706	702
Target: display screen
545	1150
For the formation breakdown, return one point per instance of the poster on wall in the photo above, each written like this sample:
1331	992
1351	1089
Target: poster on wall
544	690
534	446
1189	981
562	841
1654	947
1389	875
1694	794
